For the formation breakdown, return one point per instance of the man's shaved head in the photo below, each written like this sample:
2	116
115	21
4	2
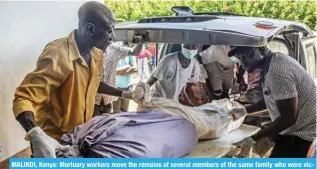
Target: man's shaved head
96	13
96	23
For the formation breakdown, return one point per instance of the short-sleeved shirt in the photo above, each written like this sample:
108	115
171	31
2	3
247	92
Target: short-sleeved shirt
172	77
219	67
62	88
124	81
285	79
217	53
113	54
144	54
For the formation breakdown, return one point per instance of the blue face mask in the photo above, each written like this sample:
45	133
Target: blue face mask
189	53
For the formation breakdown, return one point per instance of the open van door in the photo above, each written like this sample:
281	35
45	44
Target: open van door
206	29
310	53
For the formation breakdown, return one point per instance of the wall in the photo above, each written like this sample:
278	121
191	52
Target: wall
25	28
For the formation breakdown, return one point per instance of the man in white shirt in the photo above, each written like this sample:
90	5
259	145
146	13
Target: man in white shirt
219	69
114	52
174	71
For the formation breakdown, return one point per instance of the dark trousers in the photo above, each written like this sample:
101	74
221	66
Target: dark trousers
290	147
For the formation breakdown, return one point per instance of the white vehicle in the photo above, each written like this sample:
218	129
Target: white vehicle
218	28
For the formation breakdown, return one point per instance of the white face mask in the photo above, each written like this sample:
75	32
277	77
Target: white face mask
234	60
189	53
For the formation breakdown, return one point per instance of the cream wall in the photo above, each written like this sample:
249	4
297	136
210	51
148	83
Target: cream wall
25	28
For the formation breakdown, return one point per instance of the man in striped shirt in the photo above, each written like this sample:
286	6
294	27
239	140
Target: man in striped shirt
290	96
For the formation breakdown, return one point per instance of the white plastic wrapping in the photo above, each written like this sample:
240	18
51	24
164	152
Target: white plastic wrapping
211	120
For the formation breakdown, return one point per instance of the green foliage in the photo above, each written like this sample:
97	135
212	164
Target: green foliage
296	10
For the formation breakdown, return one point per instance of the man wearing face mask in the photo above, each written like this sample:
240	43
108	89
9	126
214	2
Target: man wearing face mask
174	71
219	69
290	96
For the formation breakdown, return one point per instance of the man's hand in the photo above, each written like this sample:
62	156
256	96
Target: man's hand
246	147
129	71
243	87
43	146
136	95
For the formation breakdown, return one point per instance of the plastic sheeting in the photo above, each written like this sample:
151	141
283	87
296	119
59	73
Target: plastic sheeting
131	135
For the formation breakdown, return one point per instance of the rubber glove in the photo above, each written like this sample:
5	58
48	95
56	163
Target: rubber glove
246	147
203	74
146	100
136	95
43	146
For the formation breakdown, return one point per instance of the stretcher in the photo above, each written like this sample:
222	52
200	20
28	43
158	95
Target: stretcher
220	147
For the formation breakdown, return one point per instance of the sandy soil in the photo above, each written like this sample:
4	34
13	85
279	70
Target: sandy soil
133	105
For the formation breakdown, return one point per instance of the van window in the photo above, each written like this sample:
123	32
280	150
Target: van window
278	46
166	49
311	60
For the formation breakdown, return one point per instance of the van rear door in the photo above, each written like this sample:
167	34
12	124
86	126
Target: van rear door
212	30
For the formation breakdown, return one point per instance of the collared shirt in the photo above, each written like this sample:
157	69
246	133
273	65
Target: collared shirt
113	54
61	90
286	79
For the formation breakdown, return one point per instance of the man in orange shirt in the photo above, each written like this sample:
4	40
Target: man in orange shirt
59	94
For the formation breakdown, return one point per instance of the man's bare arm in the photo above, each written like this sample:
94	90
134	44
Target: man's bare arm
109	90
287	109
27	121
131	69
136	50
151	80
260	105
122	70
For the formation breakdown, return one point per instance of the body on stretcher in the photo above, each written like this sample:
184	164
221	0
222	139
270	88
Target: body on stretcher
220	147
222	128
